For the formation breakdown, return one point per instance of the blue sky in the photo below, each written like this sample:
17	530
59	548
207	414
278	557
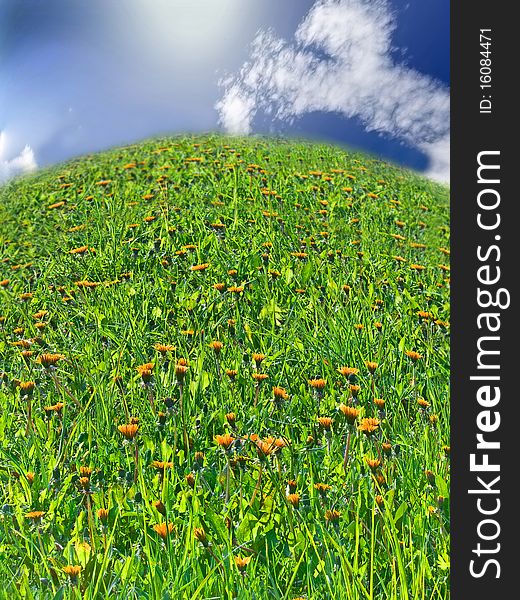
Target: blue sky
77	76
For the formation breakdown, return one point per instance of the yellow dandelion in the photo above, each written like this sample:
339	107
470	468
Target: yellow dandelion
200	535
280	393
317	384
163	529
348	371
369	426
325	422
201	267
294	500
225	440
216	346
35	515
259	377
72	571
332	516
414	356
164	348
349	412
129	430
242	562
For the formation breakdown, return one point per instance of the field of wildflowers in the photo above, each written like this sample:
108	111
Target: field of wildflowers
224	373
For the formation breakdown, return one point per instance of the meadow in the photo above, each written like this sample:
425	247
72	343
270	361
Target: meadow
224	373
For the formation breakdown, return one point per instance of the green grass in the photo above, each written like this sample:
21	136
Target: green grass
344	301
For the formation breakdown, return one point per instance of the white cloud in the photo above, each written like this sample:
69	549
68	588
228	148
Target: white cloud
438	153
23	163
341	61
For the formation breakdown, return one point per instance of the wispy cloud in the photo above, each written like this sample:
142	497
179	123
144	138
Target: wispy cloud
341	60
24	162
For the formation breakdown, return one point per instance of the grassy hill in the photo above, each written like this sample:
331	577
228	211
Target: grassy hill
224	373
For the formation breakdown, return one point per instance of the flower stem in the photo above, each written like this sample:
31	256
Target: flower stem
345	454
257	487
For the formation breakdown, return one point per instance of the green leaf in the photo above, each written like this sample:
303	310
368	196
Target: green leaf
307	272
400	511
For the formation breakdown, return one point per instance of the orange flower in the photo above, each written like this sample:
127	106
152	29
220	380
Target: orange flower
216	346
85	471
294	500
231	418
348	371
50	360
162	465
159	507
424	314
280	393
181	370
350	413
332	516
163	530
225	440
354	390
386	448
325	422
56	408
164	348
423	403
371	366
80	250
268	446
84	482
35	515
258	358
373	463
26	387
201	267
318	384
231	373
258	377
369	426
102	514
146	371
322	488
291	486
415	356
39	315
200	535
242	563
129	430
380	403
72	571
